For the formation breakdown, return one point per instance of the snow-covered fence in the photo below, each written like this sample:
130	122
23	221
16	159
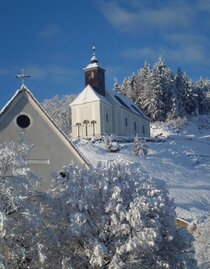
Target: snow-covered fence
191	227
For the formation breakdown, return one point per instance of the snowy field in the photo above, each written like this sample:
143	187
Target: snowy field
180	157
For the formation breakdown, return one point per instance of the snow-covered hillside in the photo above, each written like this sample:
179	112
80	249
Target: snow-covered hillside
181	157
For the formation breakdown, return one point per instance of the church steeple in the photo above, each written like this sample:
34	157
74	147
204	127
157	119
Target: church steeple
94	59
94	75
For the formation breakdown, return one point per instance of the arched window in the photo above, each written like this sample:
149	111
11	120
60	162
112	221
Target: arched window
86	126
78	129
93	122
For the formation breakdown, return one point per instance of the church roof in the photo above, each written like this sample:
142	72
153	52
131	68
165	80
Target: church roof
127	103
89	95
27	92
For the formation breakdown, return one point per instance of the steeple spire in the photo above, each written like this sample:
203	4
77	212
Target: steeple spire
94	59
94	74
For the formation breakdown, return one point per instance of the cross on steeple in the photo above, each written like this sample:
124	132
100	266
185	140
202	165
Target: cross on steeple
23	76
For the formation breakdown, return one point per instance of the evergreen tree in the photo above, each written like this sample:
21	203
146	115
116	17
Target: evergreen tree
189	96
179	90
201	88
143	92
157	87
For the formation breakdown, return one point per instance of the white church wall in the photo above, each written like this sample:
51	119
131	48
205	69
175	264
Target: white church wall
86	119
106	119
129	124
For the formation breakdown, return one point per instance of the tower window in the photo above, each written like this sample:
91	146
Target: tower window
23	121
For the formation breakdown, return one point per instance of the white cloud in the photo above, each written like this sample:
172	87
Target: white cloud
163	16
50	31
186	38
204	5
111	71
56	73
36	72
140	53
192	54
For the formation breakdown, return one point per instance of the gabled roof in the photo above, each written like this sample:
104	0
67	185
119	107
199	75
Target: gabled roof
89	95
127	103
25	91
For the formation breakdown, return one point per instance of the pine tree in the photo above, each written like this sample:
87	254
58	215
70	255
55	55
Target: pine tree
143	88
189	96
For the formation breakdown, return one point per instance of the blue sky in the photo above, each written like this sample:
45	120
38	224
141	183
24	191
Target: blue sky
52	40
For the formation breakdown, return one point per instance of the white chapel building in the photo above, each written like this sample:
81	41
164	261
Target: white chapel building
97	112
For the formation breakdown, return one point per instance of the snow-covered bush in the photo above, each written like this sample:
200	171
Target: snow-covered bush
110	145
118	218
140	146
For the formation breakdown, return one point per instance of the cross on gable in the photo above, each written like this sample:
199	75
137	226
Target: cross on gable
22	77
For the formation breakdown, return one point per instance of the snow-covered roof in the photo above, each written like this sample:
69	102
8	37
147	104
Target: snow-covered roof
25	90
89	95
93	61
91	65
126	103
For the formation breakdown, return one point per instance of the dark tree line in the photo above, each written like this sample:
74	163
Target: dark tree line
163	95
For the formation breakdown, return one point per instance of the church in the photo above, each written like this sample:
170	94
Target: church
51	148
97	112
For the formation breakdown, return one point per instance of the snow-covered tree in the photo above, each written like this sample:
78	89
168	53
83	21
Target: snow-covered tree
14	212
202	88
143	88
59	110
202	243
28	218
119	218
116	85
189	96
140	146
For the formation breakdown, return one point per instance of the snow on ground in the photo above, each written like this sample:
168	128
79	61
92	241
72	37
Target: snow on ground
180	157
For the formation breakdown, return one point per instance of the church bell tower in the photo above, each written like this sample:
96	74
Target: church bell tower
95	75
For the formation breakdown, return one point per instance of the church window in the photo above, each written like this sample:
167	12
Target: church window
23	121
134	126
126	122
143	129
92	74
107	117
78	129
86	126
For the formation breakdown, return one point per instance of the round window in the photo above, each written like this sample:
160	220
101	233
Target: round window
23	121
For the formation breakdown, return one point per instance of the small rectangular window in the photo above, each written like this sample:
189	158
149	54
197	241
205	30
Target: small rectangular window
126	122
143	129
107	117
134	126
